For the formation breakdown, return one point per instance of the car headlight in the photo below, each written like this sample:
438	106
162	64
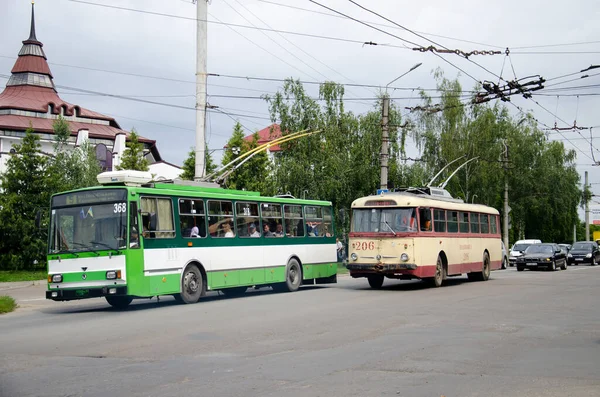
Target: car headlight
404	257
354	256
113	274
548	259
55	278
570	255
588	255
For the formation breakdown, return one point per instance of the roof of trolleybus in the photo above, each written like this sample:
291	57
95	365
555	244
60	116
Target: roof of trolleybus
168	189
405	199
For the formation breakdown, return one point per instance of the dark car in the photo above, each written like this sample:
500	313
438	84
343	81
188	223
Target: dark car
565	247
584	252
548	256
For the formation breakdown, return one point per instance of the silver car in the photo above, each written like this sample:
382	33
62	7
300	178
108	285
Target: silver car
504	257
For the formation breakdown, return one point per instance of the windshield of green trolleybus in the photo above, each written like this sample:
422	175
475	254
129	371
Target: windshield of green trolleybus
88	227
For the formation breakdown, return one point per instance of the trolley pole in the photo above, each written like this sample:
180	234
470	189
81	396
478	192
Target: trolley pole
201	55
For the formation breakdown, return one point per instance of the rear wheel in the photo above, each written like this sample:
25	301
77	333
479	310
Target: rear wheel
504	263
484	274
375	280
293	277
564	265
119	302
191	285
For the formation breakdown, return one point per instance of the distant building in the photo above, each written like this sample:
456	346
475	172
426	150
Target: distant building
30	99
267	135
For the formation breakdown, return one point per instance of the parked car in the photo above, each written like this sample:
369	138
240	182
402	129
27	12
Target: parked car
504	256
518	248
546	255
584	252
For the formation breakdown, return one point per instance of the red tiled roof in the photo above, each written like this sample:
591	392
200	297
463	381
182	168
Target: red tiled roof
21	123
31	63
37	99
266	135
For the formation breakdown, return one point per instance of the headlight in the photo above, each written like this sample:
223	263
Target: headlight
113	274
588	255
548	259
404	257
570	255
354	256
55	278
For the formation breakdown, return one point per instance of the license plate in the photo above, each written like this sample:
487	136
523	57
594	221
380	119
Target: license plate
578	259
82	292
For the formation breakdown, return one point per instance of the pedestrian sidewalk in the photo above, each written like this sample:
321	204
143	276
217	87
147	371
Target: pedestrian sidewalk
20	284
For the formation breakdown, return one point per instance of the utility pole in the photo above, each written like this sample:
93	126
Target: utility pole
505	223
587	209
201	55
385	138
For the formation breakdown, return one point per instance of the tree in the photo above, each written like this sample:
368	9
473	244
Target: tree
189	165
25	192
255	173
133	156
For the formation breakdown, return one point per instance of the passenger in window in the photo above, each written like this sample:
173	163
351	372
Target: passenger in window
195	232
252	232
134	238
426	226
227	229
279	230
267	231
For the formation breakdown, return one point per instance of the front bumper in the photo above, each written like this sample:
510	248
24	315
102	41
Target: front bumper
575	259
381	267
84	293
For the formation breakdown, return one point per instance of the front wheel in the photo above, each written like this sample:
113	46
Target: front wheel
375	280
593	261
440	274
119	302
553	266
564	265
191	285
293	277
520	268
504	265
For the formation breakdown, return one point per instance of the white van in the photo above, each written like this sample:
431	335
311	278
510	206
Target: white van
518	248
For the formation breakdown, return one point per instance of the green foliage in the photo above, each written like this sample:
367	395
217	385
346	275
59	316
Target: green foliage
29	275
255	173
189	165
133	157
25	191
7	304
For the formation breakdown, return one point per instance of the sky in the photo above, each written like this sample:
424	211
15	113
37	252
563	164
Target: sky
124	45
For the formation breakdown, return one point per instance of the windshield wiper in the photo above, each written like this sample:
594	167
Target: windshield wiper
67	252
388	225
104	245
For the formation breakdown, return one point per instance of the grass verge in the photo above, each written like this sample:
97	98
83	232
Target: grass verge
21	275
7	304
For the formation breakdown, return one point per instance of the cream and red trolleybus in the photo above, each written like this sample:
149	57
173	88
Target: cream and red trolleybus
422	233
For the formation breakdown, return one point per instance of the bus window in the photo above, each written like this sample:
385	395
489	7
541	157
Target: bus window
452	218
484	223
463	218
157	217
425	219
474	222
192	218
220	218
439	220
134	228
327	223
493	224
294	222
272	218
314	221
247	220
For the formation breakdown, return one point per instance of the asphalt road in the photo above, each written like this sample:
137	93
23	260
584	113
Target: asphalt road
518	334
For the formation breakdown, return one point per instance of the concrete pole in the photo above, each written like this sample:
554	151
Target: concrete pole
385	138
575	232
201	55
505	223
587	210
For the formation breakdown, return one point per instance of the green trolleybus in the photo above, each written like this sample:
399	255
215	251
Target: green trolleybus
134	238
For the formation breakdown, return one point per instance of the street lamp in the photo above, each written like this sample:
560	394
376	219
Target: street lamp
385	132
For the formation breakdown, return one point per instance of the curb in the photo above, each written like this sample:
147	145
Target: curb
20	284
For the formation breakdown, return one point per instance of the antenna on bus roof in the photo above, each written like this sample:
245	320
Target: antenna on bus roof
442	170
443	185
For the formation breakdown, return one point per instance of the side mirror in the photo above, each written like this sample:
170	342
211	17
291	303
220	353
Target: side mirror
557	251
38	219
342	215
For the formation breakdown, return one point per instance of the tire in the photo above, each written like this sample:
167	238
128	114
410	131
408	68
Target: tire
440	274
504	264
293	277
564	265
553	266
484	274
119	302
593	262
520	268
375	280
192	285
234	291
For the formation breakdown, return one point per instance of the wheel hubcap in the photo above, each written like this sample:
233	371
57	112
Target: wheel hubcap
293	275
191	283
